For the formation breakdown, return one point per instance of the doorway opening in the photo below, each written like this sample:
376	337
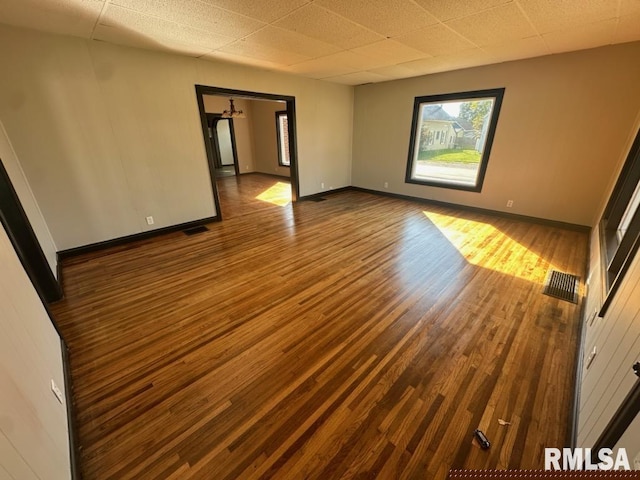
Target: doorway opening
245	153
223	145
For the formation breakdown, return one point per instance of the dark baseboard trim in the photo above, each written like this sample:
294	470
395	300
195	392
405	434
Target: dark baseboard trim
94	247
59	272
74	452
328	192
484	211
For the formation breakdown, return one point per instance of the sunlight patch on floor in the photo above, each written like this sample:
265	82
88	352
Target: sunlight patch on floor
484	245
278	194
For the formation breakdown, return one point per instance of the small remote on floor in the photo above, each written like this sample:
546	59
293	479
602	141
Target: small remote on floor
482	439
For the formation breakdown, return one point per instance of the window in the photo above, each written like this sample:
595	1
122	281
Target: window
282	127
470	120
620	225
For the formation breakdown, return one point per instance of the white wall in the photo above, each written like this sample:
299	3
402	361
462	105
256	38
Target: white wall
265	137
563	124
34	441
108	135
616	336
29	204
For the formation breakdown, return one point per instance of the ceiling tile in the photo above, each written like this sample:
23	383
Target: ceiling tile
551	15
128	24
358	78
286	40
517	49
628	28
467	58
495	26
70	17
129	38
264	10
339	63
582	37
389	52
436	40
240	59
444	11
423	66
394	71
386	17
262	52
194	13
320	23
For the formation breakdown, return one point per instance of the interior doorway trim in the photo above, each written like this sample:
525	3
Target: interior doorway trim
212	121
16	223
202	90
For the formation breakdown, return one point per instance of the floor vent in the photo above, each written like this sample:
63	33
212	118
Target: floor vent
194	230
562	285
317	199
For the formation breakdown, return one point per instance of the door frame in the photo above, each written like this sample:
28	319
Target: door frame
214	119
19	230
202	90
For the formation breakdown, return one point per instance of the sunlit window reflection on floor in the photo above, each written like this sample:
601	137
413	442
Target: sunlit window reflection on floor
278	194
484	245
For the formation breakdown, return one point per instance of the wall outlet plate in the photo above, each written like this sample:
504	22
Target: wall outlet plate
57	392
149	220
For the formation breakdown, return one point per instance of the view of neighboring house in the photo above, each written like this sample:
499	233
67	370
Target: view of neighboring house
442	131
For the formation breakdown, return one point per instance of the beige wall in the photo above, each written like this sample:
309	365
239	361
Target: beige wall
563	124
33	424
265	137
101	151
27	200
242	127
616	336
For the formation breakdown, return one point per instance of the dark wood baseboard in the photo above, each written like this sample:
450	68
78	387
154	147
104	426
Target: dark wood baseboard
485	211
328	192
74	452
94	247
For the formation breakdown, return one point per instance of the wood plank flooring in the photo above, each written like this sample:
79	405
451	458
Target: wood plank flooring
358	337
250	193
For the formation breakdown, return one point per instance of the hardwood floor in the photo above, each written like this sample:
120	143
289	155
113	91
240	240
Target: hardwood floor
358	337
249	193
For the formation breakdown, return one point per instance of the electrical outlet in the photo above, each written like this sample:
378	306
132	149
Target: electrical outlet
321	184
149	220
591	357
386	184
509	203
57	392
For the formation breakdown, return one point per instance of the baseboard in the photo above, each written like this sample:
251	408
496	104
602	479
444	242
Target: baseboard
94	247
484	211
324	194
74	452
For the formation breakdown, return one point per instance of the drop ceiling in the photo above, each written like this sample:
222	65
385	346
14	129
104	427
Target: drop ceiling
344	41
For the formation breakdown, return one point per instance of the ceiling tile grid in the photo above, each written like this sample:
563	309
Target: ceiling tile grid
324	25
343	41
